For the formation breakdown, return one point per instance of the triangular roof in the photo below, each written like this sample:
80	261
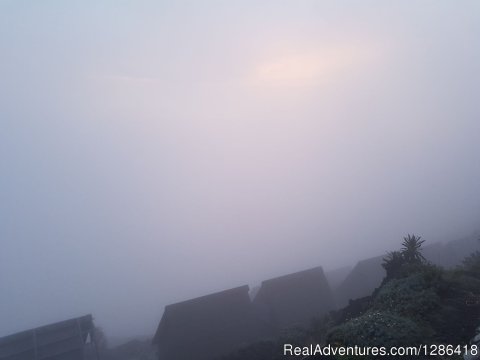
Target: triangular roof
210	325
295	299
61	340
336	276
362	280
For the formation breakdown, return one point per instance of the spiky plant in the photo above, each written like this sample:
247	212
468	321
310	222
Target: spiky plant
411	249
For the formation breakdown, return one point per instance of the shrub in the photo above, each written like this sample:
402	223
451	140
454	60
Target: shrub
377	328
412	296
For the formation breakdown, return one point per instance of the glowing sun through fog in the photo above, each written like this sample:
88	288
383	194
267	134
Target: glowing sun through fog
292	68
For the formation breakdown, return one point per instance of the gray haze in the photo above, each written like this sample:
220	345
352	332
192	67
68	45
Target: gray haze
152	151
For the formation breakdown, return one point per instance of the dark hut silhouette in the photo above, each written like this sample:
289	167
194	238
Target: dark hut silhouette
336	276
207	327
65	340
294	299
364	278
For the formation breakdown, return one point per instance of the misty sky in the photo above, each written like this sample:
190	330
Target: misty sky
154	151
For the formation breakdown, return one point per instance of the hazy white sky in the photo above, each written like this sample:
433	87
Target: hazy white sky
153	151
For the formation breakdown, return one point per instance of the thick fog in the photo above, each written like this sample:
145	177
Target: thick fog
151	152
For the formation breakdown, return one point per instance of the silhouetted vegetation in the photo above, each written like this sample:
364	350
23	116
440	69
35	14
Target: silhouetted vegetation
411	249
417	303
411	253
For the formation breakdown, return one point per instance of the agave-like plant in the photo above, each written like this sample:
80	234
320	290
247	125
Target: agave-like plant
411	249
